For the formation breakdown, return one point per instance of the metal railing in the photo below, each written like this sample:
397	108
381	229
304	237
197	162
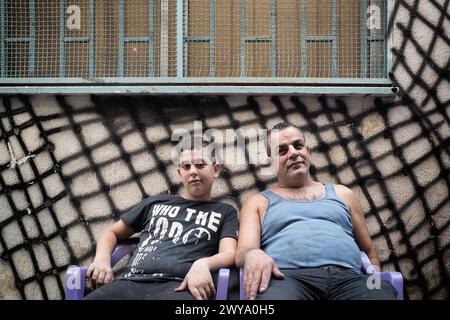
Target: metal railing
120	43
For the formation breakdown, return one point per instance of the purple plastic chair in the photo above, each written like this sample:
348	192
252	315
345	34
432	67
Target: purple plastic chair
395	278
76	275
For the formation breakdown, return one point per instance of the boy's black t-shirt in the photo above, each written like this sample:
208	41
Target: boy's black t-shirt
175	233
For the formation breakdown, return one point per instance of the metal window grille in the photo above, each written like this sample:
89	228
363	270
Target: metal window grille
193	41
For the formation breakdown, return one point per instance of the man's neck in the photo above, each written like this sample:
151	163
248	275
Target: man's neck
298	183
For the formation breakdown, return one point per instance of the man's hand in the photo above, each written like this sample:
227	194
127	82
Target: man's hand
258	268
100	271
199	281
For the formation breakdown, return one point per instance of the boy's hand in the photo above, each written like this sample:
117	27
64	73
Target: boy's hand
100	271
199	281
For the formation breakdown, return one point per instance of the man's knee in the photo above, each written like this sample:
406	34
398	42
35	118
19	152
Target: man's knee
285	289
384	292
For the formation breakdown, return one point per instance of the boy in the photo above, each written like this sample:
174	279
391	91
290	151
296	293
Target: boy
184	238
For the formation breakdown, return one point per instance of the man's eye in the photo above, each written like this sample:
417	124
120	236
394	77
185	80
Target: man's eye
186	166
298	146
282	151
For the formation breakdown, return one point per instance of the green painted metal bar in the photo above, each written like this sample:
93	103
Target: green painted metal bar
319	38
212	43
151	43
180	38
76	39
121	60
273	52
374	39
91	38
303	43
196	39
62	20
142	39
258	38
32	43
200	80
386	63
242	31
146	90
3	24
334	36
17	40
137	39
363	41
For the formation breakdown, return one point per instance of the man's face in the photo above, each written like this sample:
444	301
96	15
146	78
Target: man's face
197	172
289	153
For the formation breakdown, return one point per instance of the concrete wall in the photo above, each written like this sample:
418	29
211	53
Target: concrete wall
70	166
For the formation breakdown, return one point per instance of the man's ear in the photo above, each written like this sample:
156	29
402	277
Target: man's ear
216	169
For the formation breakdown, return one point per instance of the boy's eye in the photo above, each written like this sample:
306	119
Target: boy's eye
186	166
200	165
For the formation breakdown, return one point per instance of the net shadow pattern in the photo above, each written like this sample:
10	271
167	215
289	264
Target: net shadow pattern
144	115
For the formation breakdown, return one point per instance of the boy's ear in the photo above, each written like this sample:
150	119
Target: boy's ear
216	169
178	170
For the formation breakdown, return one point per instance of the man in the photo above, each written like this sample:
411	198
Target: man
306	234
184	238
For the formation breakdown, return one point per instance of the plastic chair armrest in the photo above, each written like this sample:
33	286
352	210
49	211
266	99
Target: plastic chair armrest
366	265
241	285
75	282
222	284
122	249
396	279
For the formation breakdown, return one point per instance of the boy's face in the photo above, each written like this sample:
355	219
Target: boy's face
197	173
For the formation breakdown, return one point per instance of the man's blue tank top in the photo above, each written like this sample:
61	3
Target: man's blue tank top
306	234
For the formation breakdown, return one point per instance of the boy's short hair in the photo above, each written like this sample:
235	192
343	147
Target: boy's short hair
197	142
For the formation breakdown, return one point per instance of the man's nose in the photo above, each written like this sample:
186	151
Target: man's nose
292	152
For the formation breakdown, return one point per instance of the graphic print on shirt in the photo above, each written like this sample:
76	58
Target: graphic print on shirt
173	226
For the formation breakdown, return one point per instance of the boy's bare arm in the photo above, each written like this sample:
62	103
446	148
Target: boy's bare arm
100	270
225	257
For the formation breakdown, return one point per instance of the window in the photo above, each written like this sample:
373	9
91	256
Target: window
105	45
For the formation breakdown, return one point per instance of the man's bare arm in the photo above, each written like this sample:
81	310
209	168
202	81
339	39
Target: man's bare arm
360	231
249	227
258	266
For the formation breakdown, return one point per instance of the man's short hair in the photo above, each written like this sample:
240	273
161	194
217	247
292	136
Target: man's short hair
280	126
198	142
